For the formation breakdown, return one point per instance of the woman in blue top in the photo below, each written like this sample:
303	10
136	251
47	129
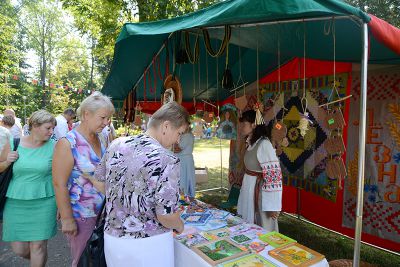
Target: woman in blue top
29	218
75	158
184	151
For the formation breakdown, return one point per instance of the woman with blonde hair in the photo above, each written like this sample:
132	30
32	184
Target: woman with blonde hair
29	218
140	176
76	157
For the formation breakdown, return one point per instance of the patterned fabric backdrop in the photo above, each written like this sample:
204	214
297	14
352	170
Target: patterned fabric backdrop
382	176
303	161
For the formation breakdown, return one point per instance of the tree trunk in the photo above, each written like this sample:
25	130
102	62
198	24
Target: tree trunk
43	75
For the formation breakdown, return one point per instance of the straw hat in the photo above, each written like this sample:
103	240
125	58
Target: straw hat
175	85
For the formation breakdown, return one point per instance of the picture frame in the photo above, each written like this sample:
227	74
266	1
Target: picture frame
296	255
219	251
276	239
191	240
195	218
248	261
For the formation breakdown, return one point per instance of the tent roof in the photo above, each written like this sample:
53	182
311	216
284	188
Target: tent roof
261	24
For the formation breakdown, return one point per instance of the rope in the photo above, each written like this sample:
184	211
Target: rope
225	41
258	64
334	87
192	58
304	98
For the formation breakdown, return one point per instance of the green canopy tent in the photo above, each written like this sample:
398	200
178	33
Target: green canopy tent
318	29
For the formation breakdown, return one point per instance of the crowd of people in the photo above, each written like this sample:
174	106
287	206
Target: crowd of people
72	172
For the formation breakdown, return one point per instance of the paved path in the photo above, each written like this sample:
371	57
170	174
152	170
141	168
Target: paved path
58	249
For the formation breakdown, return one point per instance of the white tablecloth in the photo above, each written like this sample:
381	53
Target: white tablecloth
185	257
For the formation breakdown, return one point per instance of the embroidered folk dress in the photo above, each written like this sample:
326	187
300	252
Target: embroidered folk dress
141	181
261	157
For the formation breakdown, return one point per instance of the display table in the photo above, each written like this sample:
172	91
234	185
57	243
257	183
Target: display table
185	256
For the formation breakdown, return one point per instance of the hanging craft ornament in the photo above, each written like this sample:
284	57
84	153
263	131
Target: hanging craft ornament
259	108
173	90
138	117
227	79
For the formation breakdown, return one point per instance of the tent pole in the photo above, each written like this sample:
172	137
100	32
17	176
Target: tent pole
361	146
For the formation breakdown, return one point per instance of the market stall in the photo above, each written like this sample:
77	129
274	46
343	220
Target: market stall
242	40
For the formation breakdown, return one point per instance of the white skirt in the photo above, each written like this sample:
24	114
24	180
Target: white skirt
268	201
157	250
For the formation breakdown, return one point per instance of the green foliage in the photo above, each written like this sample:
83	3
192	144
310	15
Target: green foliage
8	31
388	10
43	23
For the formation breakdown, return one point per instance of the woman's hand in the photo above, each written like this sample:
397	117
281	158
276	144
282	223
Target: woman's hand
69	227
12	156
172	221
273	214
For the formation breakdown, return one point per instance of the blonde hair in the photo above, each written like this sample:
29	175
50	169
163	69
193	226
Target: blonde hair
95	102
172	112
40	117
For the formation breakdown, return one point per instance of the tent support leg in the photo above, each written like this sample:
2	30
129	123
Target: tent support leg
361	146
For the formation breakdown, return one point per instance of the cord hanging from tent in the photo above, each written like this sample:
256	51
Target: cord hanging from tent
305	121
258	107
225	41
195	56
335	84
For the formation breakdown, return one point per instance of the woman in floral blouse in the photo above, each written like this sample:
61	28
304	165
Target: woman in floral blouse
140	176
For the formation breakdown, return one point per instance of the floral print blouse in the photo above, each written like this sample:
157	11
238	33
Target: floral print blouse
142	181
86	201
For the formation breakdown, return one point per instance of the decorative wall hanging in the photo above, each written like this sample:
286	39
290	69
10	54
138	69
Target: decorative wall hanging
304	159
382	170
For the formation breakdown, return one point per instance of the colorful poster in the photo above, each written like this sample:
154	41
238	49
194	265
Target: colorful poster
304	159
381	216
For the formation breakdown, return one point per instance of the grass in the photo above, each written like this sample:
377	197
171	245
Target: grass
333	246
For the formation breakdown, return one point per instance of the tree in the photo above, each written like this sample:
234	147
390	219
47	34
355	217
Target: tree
9	54
102	20
388	10
45	31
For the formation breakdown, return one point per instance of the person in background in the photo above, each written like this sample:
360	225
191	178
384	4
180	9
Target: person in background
260	198
63	120
108	133
140	176
76	156
5	126
25	128
184	151
29	217
16	129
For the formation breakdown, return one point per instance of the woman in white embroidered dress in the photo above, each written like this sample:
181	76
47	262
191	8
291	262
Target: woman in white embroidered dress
260	199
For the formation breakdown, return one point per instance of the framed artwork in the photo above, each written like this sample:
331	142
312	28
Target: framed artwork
216	234
212	225
256	246
276	239
252	260
218	251
219	214
241	238
195	218
296	255
191	239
